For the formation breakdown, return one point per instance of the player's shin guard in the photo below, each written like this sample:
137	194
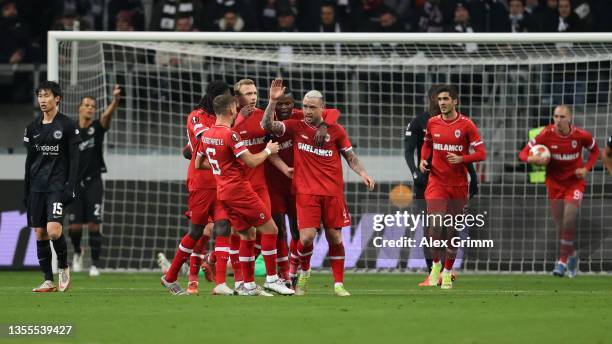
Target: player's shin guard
95	243
449	259
336	260
294	260
247	260
222	252
304	252
234	257
75	238
43	249
182	253
61	249
195	260
282	259
269	252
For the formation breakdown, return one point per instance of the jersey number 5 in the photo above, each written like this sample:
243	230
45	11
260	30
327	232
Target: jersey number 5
214	164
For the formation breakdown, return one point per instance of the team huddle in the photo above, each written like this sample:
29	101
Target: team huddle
251	169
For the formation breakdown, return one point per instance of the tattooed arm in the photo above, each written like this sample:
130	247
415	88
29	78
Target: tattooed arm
355	165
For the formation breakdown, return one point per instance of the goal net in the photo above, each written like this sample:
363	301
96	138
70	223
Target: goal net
508	85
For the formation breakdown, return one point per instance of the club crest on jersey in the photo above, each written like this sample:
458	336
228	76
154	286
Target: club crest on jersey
58	134
235	137
262	216
327	138
195	120
574	144
457	133
91	131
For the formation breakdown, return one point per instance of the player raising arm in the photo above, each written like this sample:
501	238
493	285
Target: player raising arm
318	181
87	207
222	147
565	179
51	168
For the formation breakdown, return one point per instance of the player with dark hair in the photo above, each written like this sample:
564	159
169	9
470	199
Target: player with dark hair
413	142
87	207
565	179
203	207
318	181
223	148
448	139
606	156
51	172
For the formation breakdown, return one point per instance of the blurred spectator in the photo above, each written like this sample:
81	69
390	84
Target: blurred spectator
88	12
124	21
286	21
388	22
403	12
166	13
568	21
461	23
244	11
520	20
67	22
14	34
430	18
546	16
231	21
531	5
267	14
329	22
489	16
114	7
184	23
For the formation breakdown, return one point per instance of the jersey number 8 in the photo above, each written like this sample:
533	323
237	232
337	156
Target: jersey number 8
214	164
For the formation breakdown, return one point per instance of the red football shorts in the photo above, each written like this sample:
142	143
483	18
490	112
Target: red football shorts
203	207
245	209
283	202
262	191
568	193
442	199
313	209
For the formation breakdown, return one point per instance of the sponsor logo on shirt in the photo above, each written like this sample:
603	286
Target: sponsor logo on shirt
213	141
448	148
285	145
48	150
310	149
565	157
255	141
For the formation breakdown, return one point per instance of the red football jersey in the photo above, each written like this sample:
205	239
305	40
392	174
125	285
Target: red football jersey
253	136
318	171
565	153
222	147
275	178
456	137
197	121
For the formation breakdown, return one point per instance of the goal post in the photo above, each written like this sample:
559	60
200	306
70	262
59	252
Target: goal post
508	84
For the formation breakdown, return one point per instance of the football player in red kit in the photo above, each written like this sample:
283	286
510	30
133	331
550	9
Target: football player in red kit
448	139
318	181
565	179
223	148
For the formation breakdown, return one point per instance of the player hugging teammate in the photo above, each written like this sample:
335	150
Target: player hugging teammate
565	179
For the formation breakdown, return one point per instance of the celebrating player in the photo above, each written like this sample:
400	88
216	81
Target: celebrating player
51	171
565	179
222	147
318	181
449	135
202	205
87	207
282	198
413	141
607	155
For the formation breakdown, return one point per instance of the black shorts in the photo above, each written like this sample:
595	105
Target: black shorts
87	207
45	207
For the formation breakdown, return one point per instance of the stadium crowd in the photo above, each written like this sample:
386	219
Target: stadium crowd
24	23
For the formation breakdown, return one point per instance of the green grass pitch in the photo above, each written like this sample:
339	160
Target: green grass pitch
384	308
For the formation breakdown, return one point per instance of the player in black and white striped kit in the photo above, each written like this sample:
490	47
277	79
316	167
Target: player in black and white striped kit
51	168
87	208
